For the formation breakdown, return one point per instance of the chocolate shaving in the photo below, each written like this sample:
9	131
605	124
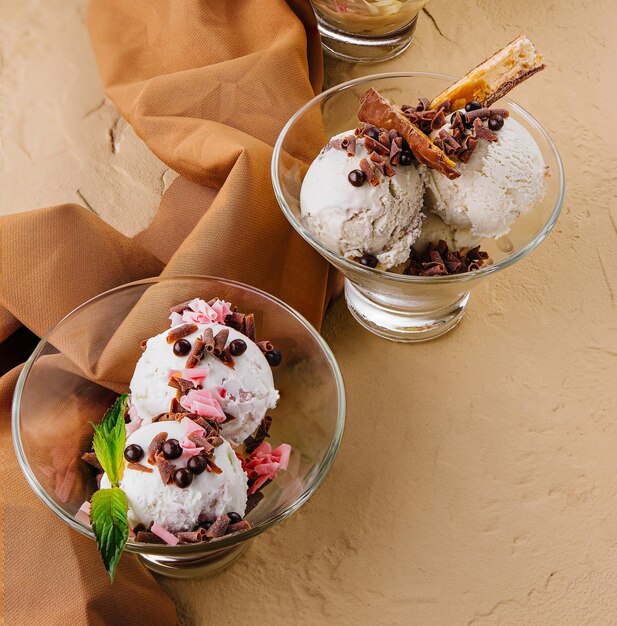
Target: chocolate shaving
482	132
351	146
156	445
388	170
238	527
182	331
396	147
249	326
175	406
218	528
469	145
215	441
369	172
179	308
145	536
208	339
252	442
439	120
142	344
201	442
265	346
235	321
166	469
195	536
437	260
170	417
252	501
139	467
220	340
181	384
197	353
374	146
90	459
384	138
213	467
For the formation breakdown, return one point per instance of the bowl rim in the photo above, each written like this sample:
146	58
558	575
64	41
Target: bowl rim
368	272
223	542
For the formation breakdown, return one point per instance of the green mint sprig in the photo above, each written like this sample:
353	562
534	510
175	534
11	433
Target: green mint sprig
108	507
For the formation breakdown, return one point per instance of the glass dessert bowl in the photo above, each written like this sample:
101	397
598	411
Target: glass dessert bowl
397	306
87	359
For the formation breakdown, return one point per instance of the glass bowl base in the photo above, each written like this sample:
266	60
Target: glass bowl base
193	567
403	325
364	48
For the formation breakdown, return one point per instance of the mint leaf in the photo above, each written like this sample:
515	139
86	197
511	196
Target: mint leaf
110	524
109	440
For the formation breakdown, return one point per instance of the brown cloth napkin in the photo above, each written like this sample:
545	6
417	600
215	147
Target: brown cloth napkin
207	85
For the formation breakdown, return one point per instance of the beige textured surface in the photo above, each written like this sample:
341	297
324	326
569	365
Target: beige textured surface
477	481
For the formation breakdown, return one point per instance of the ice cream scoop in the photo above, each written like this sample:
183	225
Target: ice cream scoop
245	391
502	180
434	229
208	495
382	220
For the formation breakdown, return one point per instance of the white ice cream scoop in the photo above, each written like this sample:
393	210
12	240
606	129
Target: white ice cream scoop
382	220
502	180
246	391
209	495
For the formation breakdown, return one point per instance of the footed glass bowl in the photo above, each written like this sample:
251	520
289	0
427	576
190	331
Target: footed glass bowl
80	365
397	306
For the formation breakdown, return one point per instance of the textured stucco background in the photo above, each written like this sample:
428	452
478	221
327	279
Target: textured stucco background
477	481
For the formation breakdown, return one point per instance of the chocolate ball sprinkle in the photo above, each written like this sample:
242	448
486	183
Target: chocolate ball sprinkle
495	122
197	464
172	449
405	157
183	478
473	105
274	358
182	347
368	260
356	178
205	525
373	133
237	347
234	517
133	453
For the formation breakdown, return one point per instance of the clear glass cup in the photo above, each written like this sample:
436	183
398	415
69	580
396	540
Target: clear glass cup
396	306
87	358
366	30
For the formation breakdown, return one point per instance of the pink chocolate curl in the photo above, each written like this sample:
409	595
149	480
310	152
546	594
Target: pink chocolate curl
264	463
164	534
194	374
202	402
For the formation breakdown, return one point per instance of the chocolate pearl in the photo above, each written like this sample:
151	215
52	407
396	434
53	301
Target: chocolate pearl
133	453
356	178
237	347
205	525
495	122
473	105
197	464
373	133
368	260
405	158
274	357
172	449
182	347
234	517
183	478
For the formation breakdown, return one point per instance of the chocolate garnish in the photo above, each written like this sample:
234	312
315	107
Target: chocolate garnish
218	528
235	320
142	344
197	353
195	536
249	326
374	146
166	469
252	501
369	172
180	308
139	467
181	384
437	260
175	406
90	459
180	332
377	110
396	147
265	346
252	442
212	466
156	445
215	441
384	138
208	339
351	146
220	340
201	442
145	536
482	132
238	527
